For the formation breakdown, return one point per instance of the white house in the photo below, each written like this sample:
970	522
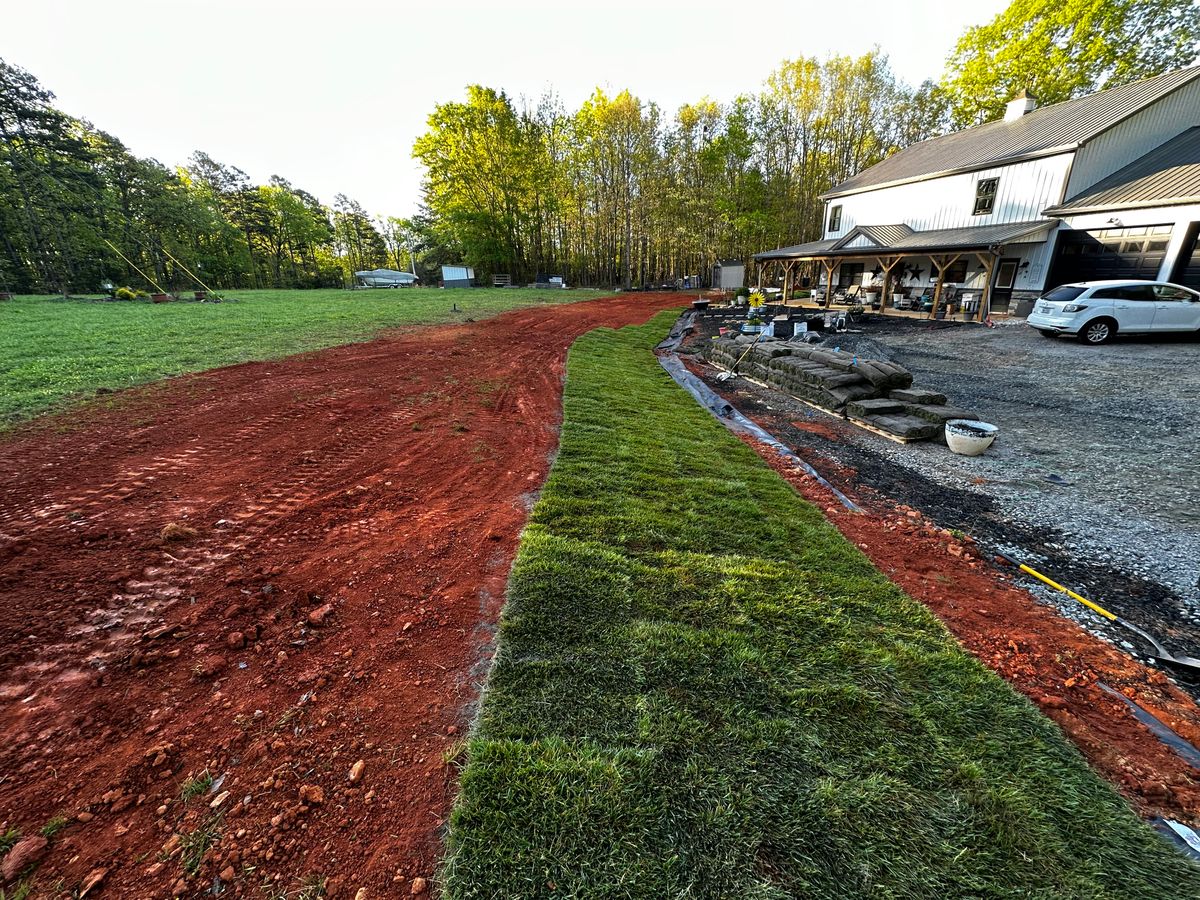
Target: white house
1105	186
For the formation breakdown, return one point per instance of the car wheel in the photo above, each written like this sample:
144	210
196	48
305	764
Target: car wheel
1098	331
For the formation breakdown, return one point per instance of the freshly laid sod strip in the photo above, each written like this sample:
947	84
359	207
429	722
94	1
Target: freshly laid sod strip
54	351
703	690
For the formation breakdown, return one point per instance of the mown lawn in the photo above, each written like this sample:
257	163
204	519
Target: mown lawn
54	352
703	690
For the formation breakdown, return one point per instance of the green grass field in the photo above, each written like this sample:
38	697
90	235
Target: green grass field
55	352
703	690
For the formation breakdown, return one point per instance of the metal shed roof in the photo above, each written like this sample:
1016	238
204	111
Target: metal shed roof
1058	128
1166	176
939	240
813	248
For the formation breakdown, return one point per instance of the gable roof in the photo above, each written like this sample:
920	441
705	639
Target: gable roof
918	242
879	235
1058	128
1166	176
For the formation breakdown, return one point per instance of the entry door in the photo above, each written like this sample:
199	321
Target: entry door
1002	287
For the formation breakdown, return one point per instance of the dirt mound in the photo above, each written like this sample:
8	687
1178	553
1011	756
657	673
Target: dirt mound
247	612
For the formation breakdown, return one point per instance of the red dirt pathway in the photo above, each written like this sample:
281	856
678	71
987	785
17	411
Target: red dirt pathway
346	522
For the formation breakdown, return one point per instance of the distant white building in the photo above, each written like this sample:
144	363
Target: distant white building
1106	186
728	274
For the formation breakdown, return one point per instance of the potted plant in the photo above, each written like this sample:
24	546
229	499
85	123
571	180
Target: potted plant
753	325
756	301
160	298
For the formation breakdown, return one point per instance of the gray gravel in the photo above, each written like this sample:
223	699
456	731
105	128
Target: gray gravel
1116	426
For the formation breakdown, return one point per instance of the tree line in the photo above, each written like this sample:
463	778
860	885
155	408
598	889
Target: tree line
77	209
620	192
615	192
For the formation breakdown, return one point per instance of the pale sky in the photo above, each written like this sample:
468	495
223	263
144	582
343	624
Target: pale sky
332	95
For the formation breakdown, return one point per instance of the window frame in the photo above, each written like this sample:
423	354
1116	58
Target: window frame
835	218
958	265
986	191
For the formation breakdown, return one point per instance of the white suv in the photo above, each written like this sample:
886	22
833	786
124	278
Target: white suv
1095	311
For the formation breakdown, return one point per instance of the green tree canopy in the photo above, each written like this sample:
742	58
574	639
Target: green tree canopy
1062	49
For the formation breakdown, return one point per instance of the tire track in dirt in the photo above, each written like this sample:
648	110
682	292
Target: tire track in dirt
349	520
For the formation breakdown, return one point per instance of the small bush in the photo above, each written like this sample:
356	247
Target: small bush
742	292
124	293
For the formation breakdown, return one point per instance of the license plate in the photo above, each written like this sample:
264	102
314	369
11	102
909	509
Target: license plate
1044	310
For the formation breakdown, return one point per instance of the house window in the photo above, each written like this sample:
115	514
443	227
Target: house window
985	195
835	218
955	274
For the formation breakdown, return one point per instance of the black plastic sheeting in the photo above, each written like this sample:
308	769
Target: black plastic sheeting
1181	836
1162	731
724	412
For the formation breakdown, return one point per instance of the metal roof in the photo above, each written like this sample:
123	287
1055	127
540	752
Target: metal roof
1166	176
813	248
881	235
1058	128
916	242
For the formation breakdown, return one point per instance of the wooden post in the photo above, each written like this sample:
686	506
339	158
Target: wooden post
828	265
985	303
887	263
942	263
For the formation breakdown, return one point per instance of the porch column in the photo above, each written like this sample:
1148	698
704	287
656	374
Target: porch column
988	260
887	263
942	263
828	265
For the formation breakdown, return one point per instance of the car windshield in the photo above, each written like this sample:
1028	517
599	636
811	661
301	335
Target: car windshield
1064	293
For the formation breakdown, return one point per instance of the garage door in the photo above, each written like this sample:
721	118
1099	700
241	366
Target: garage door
1110	253
1187	271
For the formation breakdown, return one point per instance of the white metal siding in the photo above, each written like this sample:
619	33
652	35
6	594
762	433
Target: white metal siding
1024	190
1136	136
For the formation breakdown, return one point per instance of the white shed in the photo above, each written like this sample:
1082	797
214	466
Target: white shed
728	275
458	276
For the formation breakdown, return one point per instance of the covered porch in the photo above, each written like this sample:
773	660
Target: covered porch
982	262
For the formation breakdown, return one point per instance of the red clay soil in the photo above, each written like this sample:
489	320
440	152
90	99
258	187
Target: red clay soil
1050	659
285	575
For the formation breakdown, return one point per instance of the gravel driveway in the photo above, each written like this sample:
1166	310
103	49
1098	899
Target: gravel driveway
1095	477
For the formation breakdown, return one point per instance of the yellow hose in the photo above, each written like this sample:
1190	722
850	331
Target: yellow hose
1070	593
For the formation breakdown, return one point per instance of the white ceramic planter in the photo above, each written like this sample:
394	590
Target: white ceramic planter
969	437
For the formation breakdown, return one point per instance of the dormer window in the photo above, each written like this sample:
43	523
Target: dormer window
985	195
835	218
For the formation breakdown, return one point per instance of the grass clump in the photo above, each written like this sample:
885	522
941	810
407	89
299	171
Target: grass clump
195	785
194	844
55	352
53	826
703	690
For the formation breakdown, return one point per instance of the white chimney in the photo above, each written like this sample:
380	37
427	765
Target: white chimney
1019	105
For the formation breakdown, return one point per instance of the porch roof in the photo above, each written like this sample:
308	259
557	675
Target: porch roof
889	240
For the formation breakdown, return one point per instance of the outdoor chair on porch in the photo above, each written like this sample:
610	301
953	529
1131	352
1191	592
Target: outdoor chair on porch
847	296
